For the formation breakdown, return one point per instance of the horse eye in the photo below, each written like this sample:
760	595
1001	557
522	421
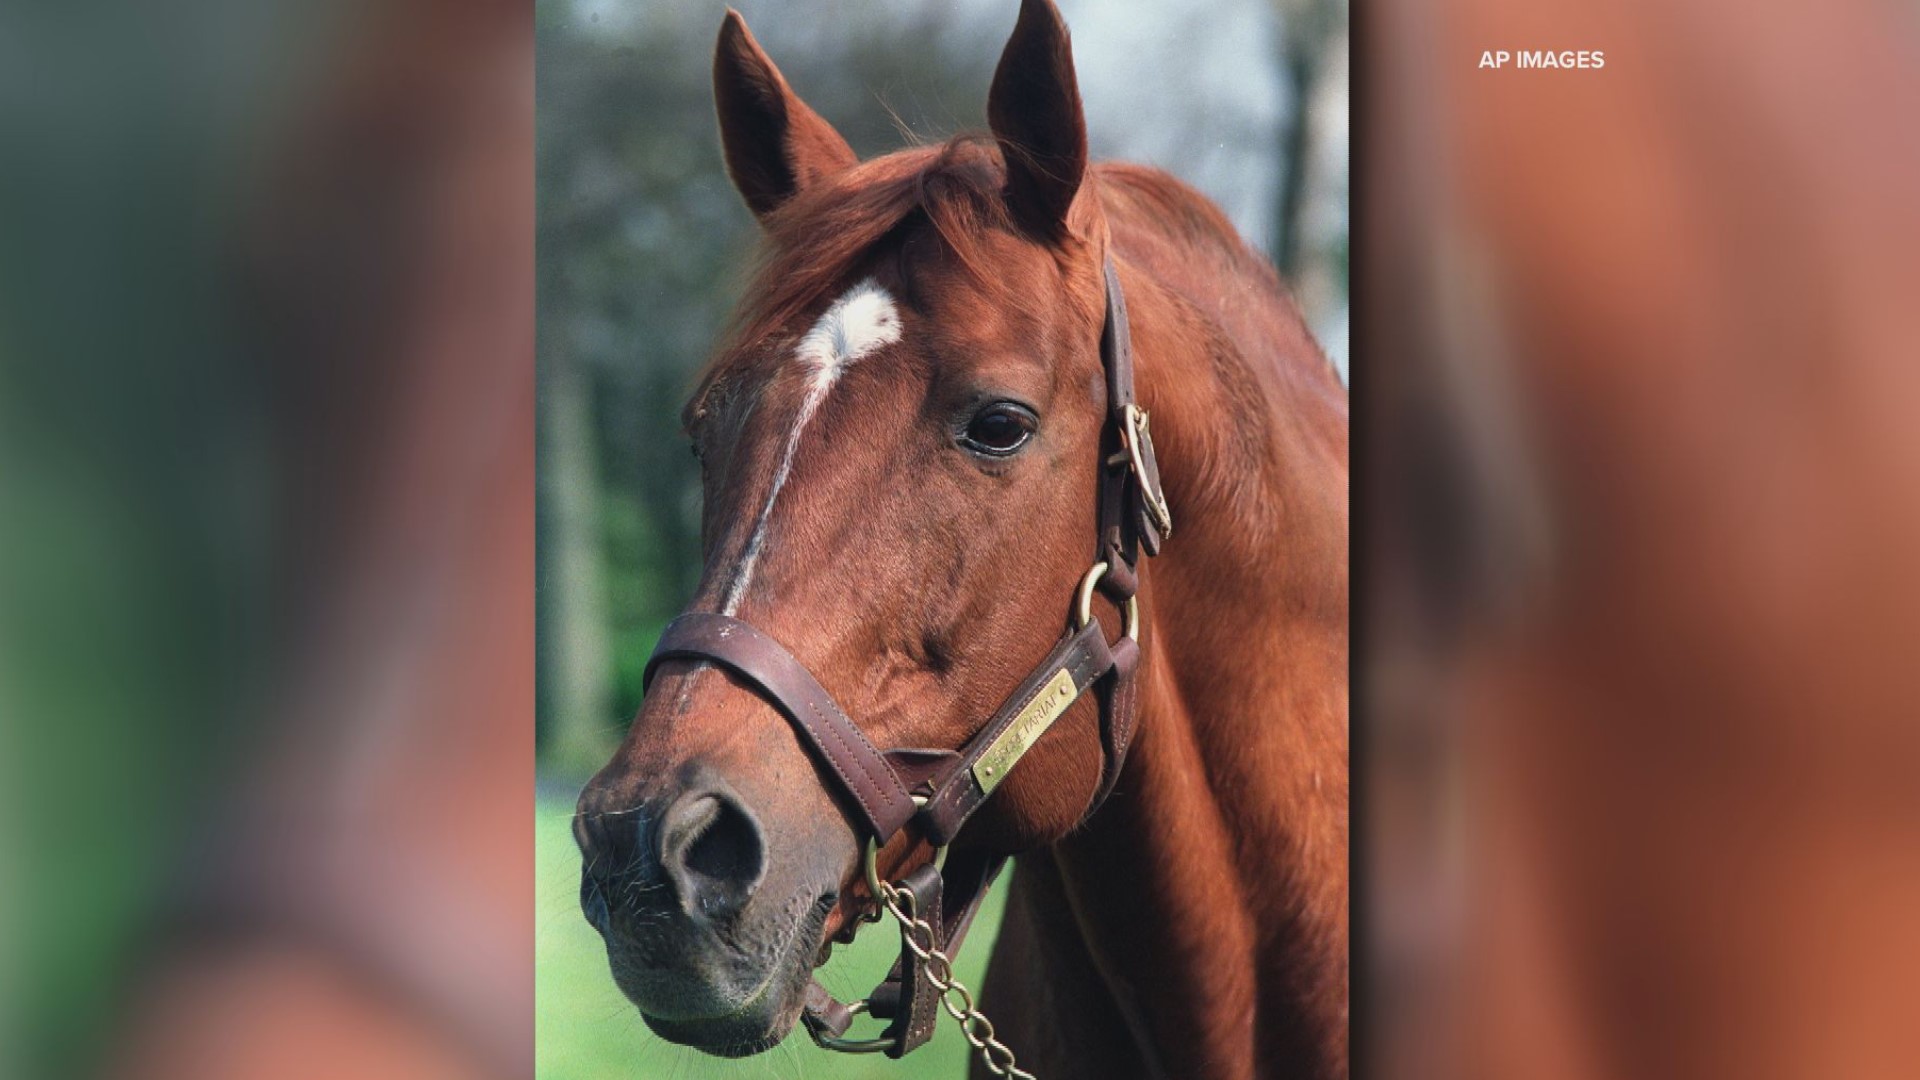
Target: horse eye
1000	429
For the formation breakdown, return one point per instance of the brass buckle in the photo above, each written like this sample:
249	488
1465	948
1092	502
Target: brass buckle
1140	449
1083	602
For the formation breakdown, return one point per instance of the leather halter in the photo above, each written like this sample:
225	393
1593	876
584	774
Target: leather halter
884	792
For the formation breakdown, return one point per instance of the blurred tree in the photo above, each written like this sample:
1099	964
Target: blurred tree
1310	213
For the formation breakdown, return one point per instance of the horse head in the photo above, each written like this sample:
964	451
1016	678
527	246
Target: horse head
901	443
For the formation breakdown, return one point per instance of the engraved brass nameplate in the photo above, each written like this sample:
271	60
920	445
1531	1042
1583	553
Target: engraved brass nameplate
1026	729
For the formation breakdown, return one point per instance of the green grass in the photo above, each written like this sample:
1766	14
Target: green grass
584	1029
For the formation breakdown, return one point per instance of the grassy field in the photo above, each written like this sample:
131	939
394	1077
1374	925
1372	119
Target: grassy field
587	1031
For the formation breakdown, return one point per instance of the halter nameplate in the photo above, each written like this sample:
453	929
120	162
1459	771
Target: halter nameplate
1026	729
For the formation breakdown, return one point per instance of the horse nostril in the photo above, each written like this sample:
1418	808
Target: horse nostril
711	848
728	849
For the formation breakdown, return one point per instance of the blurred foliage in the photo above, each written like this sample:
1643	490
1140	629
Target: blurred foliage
134	593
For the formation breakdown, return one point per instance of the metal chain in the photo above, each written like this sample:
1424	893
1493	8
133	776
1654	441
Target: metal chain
956	999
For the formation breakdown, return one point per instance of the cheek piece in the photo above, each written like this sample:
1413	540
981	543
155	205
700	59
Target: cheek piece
935	793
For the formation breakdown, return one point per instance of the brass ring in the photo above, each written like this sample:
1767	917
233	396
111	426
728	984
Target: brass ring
873	869
872	858
1083	603
852	1046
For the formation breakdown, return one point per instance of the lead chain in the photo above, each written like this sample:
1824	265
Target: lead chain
956	999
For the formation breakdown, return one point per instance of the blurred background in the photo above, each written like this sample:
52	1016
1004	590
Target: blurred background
1638	505
266	539
643	248
1637	501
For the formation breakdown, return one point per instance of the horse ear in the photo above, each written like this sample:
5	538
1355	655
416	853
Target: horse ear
774	144
1034	110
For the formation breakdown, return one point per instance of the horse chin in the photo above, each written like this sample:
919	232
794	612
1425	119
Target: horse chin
769	1012
739	1035
756	1026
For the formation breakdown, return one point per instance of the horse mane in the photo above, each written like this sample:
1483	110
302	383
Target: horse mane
1155	199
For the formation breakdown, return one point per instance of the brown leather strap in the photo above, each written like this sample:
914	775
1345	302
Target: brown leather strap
917	1006
1119	715
1084	656
969	877
1130	478
880	799
1116	344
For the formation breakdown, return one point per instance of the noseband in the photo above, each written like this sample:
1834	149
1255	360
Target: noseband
886	791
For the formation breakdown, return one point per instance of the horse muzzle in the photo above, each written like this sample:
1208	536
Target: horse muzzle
708	935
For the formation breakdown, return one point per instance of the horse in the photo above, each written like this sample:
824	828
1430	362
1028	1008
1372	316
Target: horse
903	441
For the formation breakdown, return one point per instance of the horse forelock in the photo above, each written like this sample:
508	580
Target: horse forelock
843	228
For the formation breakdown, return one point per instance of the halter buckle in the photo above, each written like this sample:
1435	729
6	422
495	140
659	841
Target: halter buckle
1146	467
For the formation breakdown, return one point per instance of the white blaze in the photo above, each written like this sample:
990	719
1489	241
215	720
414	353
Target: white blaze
858	323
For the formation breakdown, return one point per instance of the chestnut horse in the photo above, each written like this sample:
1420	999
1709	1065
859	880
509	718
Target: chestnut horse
901	448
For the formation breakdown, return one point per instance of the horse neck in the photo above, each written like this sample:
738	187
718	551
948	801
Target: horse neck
1212	888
